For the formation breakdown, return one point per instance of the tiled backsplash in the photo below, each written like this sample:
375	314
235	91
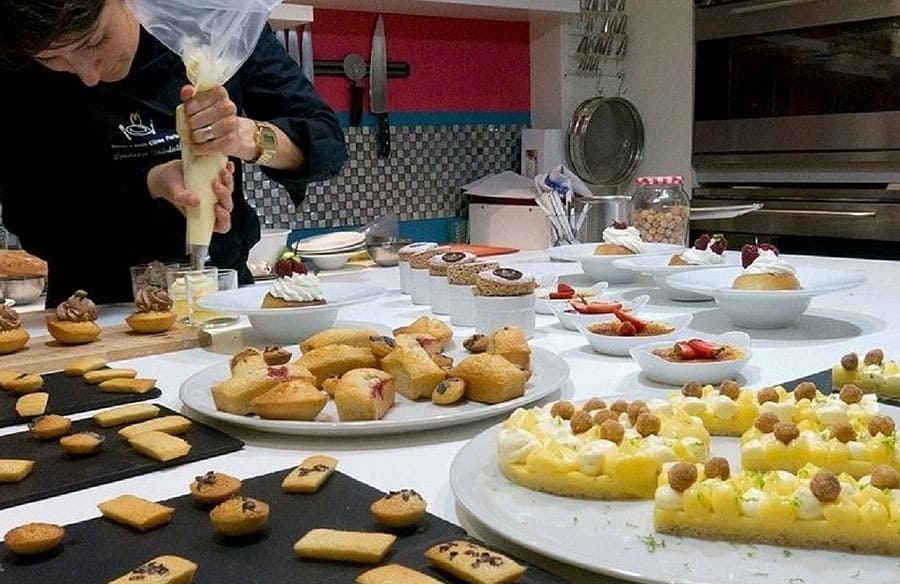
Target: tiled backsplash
420	180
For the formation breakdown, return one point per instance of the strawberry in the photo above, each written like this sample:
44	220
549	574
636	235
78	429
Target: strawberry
702	242
565	289
684	351
749	253
626	329
634	321
289	264
705	349
719	244
561	295
595	307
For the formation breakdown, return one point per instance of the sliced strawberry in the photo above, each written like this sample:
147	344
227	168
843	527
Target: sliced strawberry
561	295
634	321
626	329
769	247
684	351
705	349
595	307
565	289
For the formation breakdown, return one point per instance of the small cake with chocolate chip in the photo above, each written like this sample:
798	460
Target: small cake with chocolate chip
402	508
213	488
239	516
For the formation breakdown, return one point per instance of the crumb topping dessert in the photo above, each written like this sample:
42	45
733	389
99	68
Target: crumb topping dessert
698	351
439	264
627	325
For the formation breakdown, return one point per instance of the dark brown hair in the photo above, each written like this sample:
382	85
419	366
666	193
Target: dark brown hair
28	27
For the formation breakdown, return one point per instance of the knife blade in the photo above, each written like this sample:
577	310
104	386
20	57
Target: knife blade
378	90
306	52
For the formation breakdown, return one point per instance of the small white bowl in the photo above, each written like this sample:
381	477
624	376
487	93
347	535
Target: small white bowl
764	309
461	304
660	370
495	312
329	261
420	286
543	304
288	325
620	346
658	267
601	267
572	320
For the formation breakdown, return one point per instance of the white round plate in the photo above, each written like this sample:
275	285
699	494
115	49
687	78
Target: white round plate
601	267
544	305
764	309
328	261
660	370
288	325
620	346
327	242
572	320
617	537
658	267
549	372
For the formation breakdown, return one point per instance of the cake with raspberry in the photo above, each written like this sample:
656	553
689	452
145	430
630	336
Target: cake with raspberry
620	239
764	269
708	250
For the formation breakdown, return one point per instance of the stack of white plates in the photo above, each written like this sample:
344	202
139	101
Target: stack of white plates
330	251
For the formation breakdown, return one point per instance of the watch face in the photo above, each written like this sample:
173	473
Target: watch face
268	138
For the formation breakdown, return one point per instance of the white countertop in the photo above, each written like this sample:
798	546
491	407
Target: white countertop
854	320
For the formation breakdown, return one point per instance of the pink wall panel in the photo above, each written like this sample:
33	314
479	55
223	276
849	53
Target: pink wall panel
456	65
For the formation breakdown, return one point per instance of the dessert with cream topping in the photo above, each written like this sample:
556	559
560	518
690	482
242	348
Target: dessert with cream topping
597	450
764	269
815	508
12	336
620	239
293	291
707	251
74	321
874	374
847	435
154	311
731	410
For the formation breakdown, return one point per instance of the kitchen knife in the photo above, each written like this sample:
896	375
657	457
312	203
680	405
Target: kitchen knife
306	52
378	90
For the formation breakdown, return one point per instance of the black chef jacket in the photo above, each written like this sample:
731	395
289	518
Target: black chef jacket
83	204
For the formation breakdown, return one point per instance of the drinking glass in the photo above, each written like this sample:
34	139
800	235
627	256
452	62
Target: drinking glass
227	280
185	287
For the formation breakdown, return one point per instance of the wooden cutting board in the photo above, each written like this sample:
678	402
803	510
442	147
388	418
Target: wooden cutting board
117	342
482	250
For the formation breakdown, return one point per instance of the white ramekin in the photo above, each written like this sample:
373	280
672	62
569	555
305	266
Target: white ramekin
461	302
404	277
494	312
440	294
420	286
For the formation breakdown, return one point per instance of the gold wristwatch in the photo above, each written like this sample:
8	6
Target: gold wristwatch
266	142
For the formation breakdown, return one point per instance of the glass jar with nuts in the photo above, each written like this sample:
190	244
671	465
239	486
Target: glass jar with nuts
661	209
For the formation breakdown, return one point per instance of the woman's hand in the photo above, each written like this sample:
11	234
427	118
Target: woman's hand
216	128
166	181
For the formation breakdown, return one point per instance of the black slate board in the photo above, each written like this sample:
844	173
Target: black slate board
822	379
99	550
56	472
70	394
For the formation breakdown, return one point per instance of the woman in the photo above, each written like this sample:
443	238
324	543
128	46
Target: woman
88	99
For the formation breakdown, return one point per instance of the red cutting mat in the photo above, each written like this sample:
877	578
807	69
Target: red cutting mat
482	250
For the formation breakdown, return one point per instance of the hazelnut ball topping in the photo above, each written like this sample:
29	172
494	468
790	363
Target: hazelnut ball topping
825	486
682	475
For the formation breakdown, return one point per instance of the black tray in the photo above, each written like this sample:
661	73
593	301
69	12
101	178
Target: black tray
70	394
822	379
56	472
87	555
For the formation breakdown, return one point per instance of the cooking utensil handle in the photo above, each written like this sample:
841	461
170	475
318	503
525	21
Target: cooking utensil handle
383	135
801	212
356	105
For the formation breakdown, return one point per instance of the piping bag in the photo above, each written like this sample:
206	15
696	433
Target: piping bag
213	38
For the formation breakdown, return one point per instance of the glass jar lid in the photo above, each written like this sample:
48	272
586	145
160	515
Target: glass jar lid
659	180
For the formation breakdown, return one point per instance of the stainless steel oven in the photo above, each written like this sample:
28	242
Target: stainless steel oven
797	106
